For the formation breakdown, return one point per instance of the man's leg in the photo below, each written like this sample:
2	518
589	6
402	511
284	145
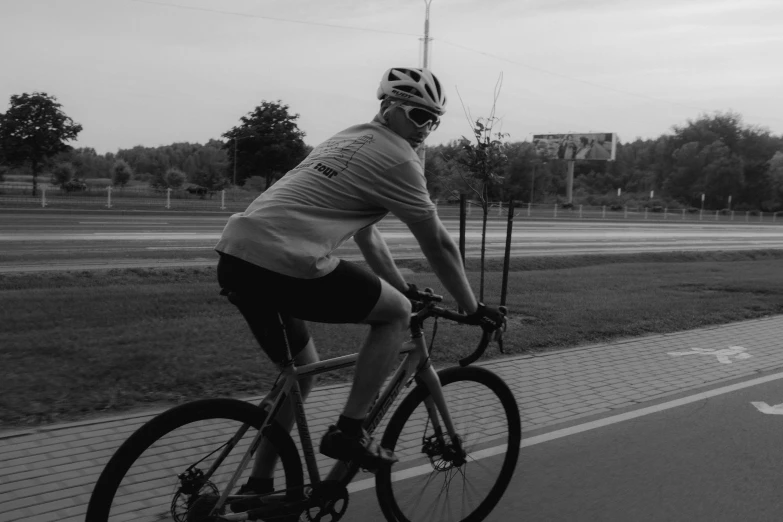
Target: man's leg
388	320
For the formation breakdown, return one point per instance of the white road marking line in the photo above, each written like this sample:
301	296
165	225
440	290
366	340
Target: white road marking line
182	248
125	222
580	428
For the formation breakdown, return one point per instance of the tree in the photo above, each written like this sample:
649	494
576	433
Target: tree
775	173
485	162
738	169
62	173
208	166
35	129
175	178
684	181
3	166
121	173
158	180
268	143
723	172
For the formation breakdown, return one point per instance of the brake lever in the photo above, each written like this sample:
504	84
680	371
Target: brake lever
498	335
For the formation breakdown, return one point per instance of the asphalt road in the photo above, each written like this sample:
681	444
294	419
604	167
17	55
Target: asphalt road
713	459
45	239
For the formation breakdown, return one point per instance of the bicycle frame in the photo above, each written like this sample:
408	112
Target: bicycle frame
416	365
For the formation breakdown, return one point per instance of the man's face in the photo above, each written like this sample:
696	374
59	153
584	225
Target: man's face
405	127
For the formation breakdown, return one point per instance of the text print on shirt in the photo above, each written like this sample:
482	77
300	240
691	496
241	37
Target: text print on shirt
337	153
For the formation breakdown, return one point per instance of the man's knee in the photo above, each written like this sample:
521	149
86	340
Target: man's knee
404	316
392	308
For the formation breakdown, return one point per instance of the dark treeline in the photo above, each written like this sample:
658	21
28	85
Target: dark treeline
203	165
715	155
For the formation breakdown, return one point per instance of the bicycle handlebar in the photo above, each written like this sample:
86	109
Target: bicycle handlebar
428	298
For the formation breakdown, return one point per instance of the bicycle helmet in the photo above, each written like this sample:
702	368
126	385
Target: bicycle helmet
417	86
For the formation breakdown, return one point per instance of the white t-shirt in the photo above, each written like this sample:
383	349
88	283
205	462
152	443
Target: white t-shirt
347	183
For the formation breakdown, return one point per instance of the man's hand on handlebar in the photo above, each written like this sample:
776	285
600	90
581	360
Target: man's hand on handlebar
489	317
412	292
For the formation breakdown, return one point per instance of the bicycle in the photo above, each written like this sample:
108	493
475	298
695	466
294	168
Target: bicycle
179	477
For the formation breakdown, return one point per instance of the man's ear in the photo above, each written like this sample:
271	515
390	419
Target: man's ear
385	104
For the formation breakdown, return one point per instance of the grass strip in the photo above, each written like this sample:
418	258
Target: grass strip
81	343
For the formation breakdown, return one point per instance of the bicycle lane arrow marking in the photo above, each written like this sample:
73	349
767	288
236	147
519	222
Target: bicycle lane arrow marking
763	407
724	355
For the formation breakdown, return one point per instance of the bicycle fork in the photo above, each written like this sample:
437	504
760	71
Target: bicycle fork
436	401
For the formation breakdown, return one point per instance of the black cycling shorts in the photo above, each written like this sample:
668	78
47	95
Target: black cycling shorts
346	295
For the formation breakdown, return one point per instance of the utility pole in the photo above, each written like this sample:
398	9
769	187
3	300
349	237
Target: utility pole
425	57
425	65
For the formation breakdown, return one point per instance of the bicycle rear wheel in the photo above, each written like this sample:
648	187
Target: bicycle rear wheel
434	480
158	473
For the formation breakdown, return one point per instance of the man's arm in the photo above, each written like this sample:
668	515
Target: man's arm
376	253
442	253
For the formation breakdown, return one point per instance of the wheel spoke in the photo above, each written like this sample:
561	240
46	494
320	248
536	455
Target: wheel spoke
484	413
160	472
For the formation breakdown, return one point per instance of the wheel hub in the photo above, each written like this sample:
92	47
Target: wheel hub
442	455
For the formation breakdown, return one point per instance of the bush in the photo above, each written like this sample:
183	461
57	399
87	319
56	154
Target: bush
175	178
74	185
257	184
62	173
98	183
121	173
158	181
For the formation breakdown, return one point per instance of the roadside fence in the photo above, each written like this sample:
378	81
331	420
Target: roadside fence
129	198
578	212
236	200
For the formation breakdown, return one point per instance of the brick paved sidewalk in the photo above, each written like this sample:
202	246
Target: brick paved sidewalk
48	474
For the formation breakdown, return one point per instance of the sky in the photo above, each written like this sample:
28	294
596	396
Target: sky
156	72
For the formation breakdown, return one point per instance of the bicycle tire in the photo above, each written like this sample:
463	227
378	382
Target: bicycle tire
103	495
482	380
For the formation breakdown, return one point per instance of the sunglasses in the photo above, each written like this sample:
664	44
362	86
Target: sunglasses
420	117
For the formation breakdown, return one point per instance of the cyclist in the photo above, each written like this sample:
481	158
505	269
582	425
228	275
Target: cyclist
278	256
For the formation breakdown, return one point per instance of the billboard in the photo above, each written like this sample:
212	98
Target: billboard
595	146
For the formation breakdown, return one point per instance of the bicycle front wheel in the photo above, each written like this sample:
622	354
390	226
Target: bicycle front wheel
440	479
162	472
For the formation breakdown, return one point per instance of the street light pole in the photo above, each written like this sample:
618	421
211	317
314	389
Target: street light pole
425	59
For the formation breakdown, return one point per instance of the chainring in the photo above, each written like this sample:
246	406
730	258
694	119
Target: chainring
328	502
